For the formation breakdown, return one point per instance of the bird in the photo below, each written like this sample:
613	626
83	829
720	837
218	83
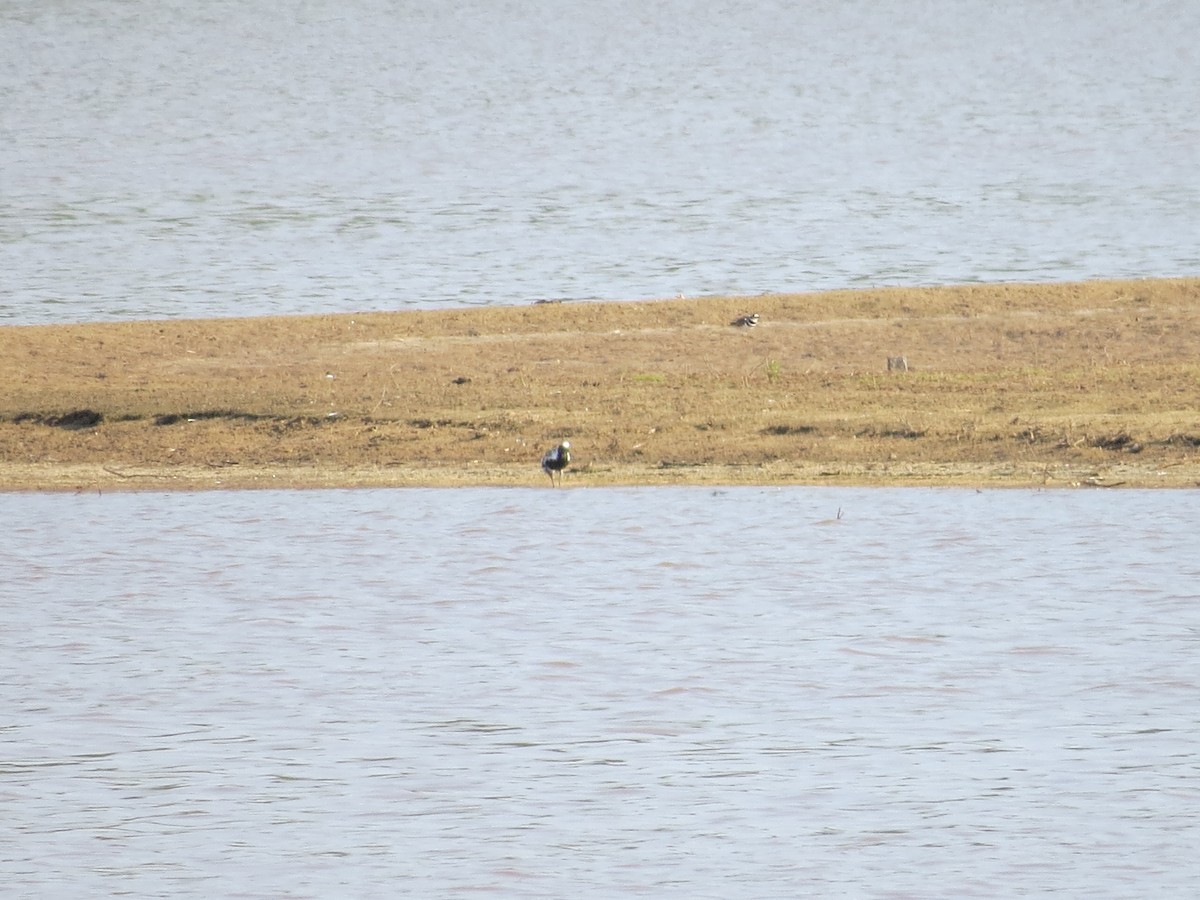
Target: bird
746	321
556	460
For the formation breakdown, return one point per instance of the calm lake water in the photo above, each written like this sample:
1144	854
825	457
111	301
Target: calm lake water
590	692
162	159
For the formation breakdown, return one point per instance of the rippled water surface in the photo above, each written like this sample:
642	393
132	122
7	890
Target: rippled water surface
654	692
177	159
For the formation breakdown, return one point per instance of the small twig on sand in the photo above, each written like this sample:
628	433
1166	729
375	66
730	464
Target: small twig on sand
113	471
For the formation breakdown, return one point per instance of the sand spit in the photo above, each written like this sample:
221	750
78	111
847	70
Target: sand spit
1092	384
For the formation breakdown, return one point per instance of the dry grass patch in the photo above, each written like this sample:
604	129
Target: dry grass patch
1100	377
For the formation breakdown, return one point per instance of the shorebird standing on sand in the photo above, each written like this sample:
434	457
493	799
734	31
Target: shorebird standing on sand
556	460
746	321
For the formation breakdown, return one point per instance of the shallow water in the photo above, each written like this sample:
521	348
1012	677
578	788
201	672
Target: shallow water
643	692
167	159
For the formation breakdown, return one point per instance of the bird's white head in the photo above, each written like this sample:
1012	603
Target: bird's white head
566	445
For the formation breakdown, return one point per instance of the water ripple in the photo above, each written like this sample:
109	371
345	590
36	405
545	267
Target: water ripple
958	147
311	692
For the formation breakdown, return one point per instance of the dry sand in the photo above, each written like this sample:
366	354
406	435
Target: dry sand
1091	384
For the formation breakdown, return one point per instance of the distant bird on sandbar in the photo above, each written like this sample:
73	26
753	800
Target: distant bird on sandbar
746	321
556	460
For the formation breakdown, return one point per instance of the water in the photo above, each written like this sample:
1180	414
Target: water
597	693
162	159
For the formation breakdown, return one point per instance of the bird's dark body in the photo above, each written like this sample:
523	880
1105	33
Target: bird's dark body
556	459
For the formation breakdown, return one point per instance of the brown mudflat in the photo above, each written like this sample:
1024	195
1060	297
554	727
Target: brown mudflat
1091	384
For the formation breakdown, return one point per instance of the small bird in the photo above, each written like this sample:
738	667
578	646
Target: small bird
746	321
556	460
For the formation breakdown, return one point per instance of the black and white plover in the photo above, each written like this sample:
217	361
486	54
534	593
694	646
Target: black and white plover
746	321
556	459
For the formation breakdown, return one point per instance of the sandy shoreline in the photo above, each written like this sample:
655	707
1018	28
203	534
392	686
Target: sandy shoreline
82	477
1085	385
